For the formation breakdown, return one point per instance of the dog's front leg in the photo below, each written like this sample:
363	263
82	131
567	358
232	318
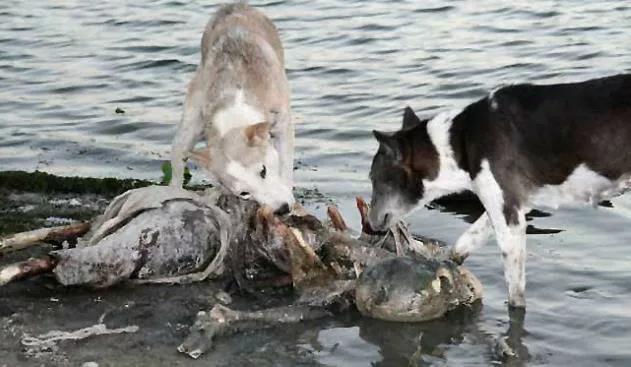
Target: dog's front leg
475	236
284	144
509	223
189	131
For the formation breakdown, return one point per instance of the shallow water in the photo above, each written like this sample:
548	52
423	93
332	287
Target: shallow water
65	66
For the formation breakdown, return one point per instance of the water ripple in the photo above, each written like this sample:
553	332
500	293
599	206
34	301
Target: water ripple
65	67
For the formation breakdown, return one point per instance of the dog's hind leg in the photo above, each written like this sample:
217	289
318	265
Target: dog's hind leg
189	132
509	224
512	242
475	236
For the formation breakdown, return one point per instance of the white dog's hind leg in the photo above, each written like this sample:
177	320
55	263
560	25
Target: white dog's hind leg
475	236
511	237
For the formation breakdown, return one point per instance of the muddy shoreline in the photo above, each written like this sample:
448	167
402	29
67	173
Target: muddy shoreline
36	306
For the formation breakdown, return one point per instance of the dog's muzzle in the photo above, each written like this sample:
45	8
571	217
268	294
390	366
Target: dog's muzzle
284	209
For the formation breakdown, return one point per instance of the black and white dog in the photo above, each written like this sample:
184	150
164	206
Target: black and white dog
522	146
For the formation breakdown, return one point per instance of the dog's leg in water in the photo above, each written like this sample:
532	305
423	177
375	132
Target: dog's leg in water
509	223
189	132
512	242
475	236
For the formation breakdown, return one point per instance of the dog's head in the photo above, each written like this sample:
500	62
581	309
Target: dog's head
405	159
245	162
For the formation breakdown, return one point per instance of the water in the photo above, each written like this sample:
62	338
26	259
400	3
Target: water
65	66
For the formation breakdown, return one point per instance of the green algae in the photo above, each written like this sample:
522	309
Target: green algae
31	200
41	182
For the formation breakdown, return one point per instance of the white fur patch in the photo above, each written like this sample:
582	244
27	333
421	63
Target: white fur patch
451	178
245	177
583	186
492	99
489	192
238	114
475	236
270	191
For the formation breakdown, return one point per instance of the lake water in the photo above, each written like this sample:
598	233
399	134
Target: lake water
66	66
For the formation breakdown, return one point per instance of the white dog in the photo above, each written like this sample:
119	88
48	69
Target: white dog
238	100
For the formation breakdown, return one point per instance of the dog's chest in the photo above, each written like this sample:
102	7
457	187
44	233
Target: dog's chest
236	115
583	186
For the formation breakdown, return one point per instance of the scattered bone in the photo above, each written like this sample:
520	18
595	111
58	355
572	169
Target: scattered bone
221	321
26	269
169	235
50	339
223	298
23	240
337	221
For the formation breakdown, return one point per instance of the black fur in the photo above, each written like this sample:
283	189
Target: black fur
531	135
403	158
535	135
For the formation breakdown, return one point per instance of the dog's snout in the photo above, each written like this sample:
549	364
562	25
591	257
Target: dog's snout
284	209
378	223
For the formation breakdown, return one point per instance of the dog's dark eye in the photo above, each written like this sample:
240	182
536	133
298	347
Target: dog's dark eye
244	194
263	172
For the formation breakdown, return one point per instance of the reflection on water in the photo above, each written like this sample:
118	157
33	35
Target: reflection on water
344	346
66	66
516	353
469	208
422	344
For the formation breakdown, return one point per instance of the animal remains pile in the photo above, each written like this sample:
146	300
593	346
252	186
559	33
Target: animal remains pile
161	234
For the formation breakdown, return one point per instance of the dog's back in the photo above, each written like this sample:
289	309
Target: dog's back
544	132
240	16
241	51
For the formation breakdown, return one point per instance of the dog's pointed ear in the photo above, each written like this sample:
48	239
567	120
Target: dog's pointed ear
202	156
409	118
388	144
258	133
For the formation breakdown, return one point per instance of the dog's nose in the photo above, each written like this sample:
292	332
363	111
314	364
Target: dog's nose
386	220
284	209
